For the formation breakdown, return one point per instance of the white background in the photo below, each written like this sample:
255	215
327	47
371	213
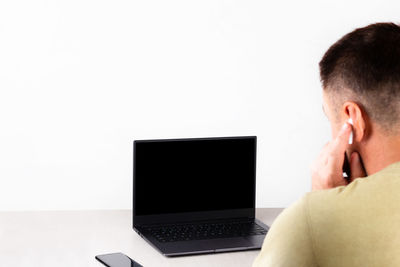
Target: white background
81	79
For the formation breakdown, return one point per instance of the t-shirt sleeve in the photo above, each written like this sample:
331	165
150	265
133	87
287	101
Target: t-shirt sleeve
289	241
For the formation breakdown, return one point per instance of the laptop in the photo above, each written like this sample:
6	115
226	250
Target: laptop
196	196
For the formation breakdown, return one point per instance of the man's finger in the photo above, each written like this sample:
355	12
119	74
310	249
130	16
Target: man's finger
340	144
341	141
357	169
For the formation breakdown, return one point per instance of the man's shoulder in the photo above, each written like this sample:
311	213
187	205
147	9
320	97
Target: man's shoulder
315	207
344	198
288	242
324	204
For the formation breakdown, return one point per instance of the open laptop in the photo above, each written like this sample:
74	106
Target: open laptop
194	196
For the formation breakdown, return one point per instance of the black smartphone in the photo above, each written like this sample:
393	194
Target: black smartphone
346	168
117	260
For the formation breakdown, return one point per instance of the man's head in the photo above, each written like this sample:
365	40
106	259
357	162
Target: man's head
360	75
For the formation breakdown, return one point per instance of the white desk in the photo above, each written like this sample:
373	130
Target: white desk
73	238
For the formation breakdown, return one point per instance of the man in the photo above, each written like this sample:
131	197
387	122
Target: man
353	222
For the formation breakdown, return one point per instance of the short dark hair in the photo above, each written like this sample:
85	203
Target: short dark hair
365	66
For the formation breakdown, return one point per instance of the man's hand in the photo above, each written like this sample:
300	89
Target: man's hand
326	171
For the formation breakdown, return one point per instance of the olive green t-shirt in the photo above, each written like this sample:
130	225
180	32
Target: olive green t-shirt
353	225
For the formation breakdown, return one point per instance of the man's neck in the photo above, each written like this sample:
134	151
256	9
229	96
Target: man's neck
381	152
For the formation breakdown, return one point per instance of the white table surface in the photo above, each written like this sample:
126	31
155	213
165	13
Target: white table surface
73	238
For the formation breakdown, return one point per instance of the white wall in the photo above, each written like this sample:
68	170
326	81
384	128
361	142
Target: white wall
81	79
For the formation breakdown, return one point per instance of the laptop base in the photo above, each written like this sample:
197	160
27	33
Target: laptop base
208	246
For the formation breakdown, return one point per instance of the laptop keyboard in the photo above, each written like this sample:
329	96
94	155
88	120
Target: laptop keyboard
199	231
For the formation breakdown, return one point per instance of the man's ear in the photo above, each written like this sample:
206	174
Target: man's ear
355	112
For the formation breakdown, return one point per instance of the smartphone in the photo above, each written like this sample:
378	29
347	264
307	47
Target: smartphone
117	260
346	168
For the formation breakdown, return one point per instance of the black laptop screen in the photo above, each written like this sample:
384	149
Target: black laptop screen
192	175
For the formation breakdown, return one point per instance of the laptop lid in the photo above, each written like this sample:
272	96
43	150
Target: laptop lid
178	180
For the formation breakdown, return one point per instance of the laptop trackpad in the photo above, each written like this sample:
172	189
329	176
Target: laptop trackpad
222	244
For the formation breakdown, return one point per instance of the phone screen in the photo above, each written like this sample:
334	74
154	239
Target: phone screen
117	260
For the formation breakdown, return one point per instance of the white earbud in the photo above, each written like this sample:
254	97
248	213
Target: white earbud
351	134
